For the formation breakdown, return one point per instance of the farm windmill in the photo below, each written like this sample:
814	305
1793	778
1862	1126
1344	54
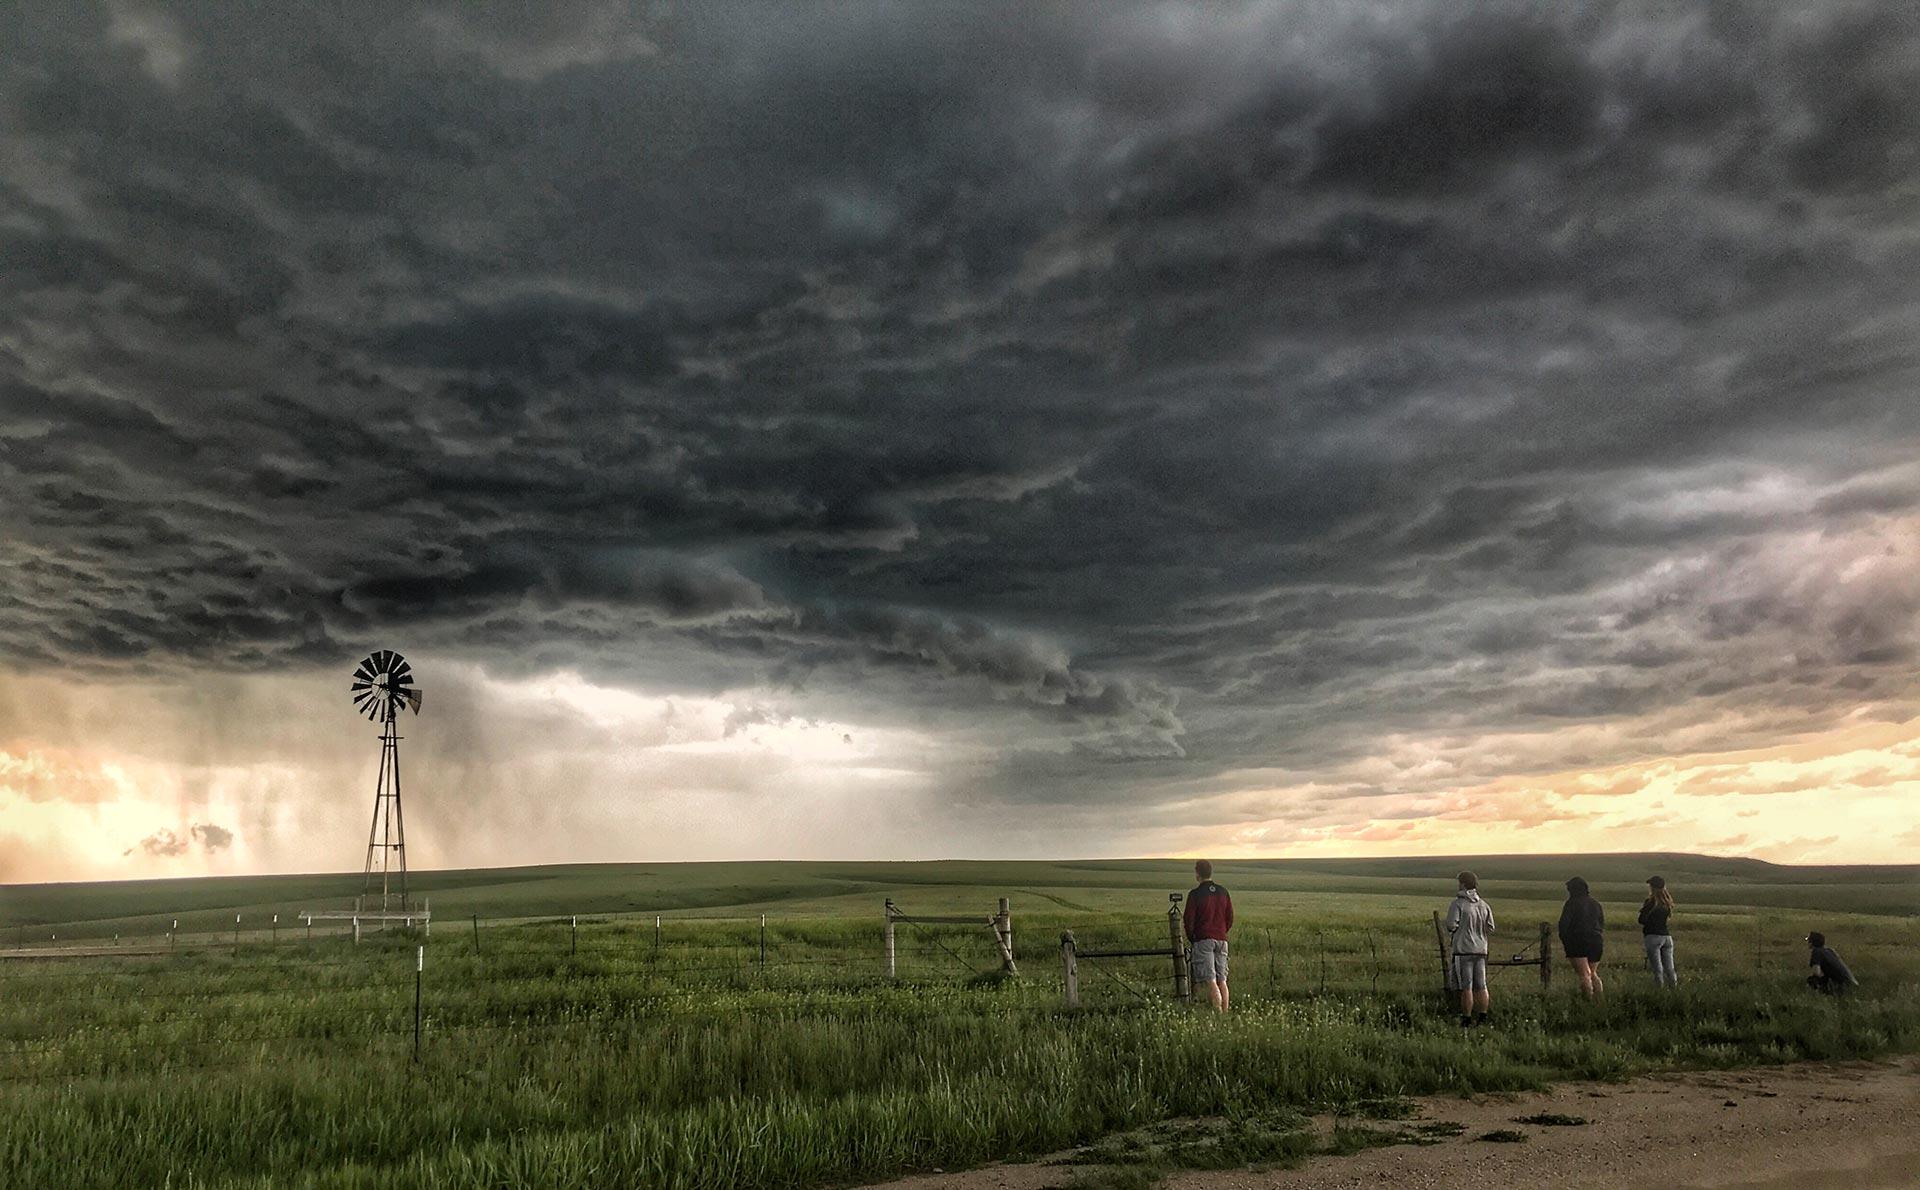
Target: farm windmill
383	684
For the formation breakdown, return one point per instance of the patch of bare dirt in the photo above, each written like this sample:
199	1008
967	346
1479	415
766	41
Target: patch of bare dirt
1804	1127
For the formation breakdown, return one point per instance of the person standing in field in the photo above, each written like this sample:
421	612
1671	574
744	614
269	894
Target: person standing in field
1583	927
1827	973
1469	923
1654	933
1208	917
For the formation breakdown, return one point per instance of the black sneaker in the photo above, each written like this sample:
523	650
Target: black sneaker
1485	1018
1466	1022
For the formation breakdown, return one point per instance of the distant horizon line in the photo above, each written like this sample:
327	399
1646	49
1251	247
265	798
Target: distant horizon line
1110	859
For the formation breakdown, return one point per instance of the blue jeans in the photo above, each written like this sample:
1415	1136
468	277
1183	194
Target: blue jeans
1660	959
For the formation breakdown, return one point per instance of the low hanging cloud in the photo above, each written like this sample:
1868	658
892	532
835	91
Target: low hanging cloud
166	844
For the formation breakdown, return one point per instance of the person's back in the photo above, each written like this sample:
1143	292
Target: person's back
1583	927
1469	922
1583	924
1209	913
1208	917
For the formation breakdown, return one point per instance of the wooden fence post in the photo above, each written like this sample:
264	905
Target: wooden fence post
1073	969
1546	956
356	931
1177	942
1440	940
890	911
1003	933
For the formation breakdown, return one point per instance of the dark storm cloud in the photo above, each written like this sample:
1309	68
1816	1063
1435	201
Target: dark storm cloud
167	844
1325	372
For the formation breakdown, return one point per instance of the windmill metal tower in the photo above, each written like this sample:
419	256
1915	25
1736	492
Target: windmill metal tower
381	686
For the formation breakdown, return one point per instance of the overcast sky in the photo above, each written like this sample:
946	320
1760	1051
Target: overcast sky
921	429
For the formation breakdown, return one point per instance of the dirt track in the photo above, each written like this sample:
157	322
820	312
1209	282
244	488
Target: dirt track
1805	1127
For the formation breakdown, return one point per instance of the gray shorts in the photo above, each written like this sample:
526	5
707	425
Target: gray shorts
1208	959
1469	973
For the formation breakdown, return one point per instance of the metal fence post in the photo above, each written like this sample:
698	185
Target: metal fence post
1072	966
1177	943
890	911
419	970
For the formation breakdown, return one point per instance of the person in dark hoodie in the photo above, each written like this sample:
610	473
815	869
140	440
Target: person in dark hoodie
1583	927
1827	972
1469	926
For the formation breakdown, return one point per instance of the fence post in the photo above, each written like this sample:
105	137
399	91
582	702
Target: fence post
1003	932
173	936
1546	956
309	927
419	968
1446	968
1177	942
576	935
890	911
1073	969
276	929
656	935
236	933
356	931
476	933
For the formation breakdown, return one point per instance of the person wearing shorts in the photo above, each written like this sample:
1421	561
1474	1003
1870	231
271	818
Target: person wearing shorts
1208	917
1469	925
1583	927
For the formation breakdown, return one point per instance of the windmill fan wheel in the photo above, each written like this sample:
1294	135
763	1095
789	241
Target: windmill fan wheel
382	684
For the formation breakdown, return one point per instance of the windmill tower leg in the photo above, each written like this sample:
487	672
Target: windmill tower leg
399	851
386	835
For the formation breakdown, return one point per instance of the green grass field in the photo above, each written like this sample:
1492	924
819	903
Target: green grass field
621	1056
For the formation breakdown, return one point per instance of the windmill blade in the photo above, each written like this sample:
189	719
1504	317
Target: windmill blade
401	669
361	686
414	697
365	672
382	661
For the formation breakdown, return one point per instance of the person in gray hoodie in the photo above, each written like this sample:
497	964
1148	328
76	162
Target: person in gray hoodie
1469	922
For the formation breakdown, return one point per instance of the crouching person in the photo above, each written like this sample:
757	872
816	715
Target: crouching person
1826	972
1469	924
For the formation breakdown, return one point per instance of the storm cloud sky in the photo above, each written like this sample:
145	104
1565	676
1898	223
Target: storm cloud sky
1150	426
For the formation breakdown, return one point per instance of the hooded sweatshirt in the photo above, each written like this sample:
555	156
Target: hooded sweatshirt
1583	923
1469	921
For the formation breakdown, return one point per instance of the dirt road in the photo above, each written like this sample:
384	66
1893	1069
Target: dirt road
1805	1127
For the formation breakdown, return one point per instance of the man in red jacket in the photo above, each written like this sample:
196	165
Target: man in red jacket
1208	917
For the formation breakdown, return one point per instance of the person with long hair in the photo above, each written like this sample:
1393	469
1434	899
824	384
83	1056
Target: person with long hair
1583	926
1654	933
